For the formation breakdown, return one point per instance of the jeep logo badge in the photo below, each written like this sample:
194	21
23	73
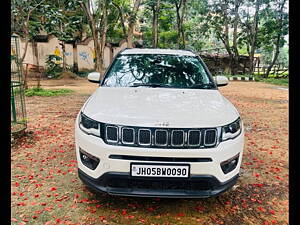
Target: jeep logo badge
162	124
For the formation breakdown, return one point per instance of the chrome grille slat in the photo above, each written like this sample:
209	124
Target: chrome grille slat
106	134
205	133
139	137
156	137
133	135
172	138
189	137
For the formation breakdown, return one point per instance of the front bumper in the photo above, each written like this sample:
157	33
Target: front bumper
118	183
111	170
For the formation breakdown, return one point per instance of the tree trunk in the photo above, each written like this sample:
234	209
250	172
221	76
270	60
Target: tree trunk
236	56
86	8
103	40
254	36
63	47
75	58
178	24
122	21
279	34
155	10
132	22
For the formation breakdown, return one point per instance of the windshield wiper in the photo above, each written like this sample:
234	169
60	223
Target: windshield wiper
203	86
148	85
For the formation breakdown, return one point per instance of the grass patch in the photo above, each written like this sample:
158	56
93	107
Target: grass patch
43	92
276	81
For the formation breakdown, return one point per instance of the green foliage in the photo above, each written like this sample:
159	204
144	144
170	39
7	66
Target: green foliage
46	93
23	10
168	39
64	19
275	81
53	67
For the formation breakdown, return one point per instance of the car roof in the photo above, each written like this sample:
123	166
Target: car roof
157	51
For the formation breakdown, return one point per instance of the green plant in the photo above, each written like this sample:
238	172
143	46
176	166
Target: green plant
43	92
53	68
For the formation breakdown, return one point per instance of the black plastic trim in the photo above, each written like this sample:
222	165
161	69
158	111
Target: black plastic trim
101	185
162	159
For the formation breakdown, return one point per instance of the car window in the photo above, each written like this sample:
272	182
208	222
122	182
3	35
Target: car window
173	71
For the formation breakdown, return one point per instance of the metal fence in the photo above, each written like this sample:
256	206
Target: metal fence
17	97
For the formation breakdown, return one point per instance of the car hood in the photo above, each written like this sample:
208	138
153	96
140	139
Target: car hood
157	107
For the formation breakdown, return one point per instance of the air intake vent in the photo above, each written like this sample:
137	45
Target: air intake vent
161	137
127	135
112	133
144	137
210	137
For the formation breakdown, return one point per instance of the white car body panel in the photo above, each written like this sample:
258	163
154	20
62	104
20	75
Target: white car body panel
184	108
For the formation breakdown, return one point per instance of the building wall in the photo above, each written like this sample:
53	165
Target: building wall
85	53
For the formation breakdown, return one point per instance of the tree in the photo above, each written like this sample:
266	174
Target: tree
251	27
275	29
92	13
64	19
24	21
223	16
180	7
132	22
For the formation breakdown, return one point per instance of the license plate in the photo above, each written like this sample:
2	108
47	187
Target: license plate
151	170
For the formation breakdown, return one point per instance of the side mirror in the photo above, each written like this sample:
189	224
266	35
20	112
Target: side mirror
94	77
221	81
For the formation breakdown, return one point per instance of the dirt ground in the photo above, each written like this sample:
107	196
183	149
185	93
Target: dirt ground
47	190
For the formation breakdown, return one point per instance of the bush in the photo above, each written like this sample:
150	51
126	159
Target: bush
53	68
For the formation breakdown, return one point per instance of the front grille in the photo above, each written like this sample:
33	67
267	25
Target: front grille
151	137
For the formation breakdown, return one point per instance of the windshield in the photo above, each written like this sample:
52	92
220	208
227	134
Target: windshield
172	71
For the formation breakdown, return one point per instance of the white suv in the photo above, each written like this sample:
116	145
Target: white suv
158	126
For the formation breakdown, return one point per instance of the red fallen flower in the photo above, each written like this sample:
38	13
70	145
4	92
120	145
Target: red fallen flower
181	214
124	212
14	220
272	211
43	203
258	185
102	218
34	216
199	208
21	204
17	184
261	209
150	209
36	195
53	189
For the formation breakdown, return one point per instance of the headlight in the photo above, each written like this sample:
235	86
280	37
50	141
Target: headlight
88	125
232	130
